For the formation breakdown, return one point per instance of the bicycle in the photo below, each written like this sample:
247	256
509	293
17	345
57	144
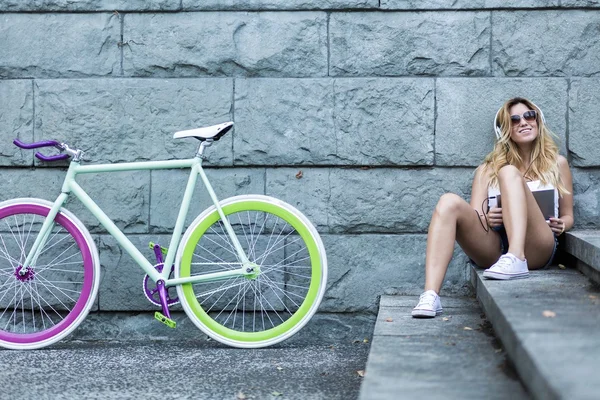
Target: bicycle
249	271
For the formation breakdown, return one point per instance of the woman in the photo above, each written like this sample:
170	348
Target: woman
516	237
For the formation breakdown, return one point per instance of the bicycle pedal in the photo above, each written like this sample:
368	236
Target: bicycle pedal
163	250
167	321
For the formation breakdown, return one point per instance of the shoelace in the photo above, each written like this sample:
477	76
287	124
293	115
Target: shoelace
427	299
505	261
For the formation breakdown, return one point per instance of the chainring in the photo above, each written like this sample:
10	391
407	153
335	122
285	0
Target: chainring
151	290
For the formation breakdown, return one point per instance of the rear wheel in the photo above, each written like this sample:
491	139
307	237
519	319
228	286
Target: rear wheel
49	299
281	295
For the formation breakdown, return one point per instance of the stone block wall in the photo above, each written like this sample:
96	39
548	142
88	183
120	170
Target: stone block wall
383	105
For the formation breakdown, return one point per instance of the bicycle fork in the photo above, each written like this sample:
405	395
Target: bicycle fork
43	235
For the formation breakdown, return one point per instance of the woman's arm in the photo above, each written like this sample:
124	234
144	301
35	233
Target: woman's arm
565	202
479	194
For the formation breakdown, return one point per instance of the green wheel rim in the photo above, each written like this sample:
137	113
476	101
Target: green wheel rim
296	317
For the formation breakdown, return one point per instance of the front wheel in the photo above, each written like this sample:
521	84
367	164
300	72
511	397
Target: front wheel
50	298
273	303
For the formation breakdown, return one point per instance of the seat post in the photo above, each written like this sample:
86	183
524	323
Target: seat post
203	144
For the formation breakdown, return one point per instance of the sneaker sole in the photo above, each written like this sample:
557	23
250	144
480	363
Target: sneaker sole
504	277
425	314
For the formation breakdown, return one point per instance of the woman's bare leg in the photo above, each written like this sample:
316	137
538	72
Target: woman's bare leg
529	236
455	220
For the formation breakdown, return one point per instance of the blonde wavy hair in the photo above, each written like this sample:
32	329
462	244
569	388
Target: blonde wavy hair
544	164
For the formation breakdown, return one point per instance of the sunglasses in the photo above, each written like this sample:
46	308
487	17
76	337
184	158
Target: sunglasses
527	116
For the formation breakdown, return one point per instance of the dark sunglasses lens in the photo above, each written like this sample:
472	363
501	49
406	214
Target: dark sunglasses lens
529	115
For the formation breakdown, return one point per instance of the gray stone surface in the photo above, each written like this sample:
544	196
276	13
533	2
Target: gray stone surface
584	120
466	110
395	44
307	189
586	198
555	354
585	247
362	267
168	188
284	121
125	120
468	4
384	121
277	4
580	3
566	43
390	200
81	45
341	121
16	121
121	283
453	356
242	44
88	5
125	200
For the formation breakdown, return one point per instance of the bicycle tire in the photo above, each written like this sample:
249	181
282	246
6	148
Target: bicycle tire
288	289
55	295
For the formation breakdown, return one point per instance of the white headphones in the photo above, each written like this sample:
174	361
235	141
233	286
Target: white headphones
497	129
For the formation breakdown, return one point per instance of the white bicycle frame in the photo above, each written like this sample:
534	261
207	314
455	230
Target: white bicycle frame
195	164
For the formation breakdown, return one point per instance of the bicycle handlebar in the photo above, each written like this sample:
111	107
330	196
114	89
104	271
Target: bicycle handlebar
29	146
43	143
57	157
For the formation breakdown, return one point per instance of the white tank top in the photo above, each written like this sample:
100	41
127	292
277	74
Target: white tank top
533	186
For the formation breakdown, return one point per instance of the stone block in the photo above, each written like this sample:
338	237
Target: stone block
16	121
123	196
122	120
168	188
566	43
580	3
59	45
466	4
384	121
584	122
395	44
121	284
276	5
306	189
88	5
40	183
284	122
363	267
386	200
226	44
466	111
586	198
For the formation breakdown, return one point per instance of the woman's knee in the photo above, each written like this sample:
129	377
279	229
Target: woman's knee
449	204
509	173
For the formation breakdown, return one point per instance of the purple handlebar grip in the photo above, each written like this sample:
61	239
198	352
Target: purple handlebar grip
51	158
43	143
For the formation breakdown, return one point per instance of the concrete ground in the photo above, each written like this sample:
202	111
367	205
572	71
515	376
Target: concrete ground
106	359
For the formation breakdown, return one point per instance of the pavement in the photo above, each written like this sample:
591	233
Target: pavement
127	356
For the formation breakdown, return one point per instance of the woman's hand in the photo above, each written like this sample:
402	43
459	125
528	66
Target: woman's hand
494	217
557	225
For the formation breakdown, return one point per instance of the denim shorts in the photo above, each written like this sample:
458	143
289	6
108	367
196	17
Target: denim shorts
504	244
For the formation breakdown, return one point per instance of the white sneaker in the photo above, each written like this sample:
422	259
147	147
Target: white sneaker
429	305
508	266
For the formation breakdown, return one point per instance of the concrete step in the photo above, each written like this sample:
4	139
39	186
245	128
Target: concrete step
549	325
453	356
584	246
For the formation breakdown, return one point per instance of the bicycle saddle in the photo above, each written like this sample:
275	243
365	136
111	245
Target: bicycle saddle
214	132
